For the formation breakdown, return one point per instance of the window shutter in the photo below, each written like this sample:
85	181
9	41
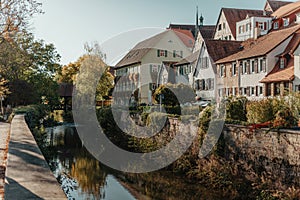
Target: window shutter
158	53
224	68
257	24
174	53
248	67
265	25
248	91
166	53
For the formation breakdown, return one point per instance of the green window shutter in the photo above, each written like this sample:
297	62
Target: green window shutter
158	53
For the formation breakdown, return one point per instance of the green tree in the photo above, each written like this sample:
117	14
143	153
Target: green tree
30	67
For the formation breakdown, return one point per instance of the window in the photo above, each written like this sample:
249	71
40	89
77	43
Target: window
177	54
222	71
298	18
276	25
233	69
244	67
229	37
262	65
252	66
204	62
219	27
162	53
286	22
252	91
224	25
240	29
282	63
260	90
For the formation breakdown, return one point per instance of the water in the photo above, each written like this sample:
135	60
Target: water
83	177
80	175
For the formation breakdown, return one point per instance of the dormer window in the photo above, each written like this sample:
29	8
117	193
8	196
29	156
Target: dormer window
276	25
286	22
282	63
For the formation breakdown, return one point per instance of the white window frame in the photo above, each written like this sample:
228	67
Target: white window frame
276	25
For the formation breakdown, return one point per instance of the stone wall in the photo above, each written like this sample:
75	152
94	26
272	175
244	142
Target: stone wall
273	154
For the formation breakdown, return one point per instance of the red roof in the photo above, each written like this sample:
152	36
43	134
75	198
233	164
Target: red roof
185	36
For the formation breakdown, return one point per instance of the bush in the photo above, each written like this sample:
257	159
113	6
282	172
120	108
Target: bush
260	111
236	108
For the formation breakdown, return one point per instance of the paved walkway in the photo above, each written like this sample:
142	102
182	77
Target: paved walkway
4	130
28	175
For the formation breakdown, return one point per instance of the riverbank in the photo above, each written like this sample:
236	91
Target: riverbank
24	155
4	138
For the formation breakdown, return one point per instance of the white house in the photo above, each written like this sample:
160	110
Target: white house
253	27
205	73
140	67
228	17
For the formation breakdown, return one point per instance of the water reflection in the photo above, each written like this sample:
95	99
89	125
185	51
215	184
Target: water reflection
81	176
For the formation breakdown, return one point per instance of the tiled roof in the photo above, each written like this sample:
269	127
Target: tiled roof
218	49
185	36
278	75
286	74
262	45
275	5
207	31
287	9
234	15
190	27
190	59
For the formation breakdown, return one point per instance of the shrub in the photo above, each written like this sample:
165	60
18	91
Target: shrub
260	111
236	108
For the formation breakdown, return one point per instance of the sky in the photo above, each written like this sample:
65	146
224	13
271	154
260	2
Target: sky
68	24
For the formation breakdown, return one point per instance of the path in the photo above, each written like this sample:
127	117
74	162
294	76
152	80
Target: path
28	175
4	130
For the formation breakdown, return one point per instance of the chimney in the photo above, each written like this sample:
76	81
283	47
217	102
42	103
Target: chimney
256	33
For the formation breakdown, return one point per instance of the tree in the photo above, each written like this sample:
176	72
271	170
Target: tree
30	67
15	15
90	64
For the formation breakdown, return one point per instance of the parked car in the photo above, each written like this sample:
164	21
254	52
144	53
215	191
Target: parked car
202	103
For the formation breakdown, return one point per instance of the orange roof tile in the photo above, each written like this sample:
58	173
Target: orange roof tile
262	45
278	75
185	36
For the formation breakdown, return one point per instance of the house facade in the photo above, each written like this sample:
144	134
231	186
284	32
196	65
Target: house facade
286	15
273	5
253	27
140	67
226	23
284	76
241	73
205	73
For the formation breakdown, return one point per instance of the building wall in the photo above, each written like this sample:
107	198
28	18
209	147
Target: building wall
170	43
226	82
207	73
245	34
296	71
224	32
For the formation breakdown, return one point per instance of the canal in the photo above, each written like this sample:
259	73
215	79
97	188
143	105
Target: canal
83	177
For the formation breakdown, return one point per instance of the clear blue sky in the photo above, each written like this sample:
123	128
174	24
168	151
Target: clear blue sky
68	24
